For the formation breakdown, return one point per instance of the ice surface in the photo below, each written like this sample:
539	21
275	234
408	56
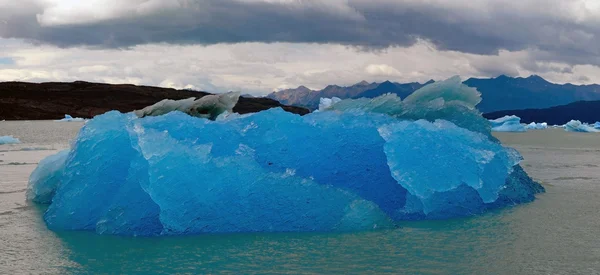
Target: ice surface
577	126
69	118
449	99
340	169
9	140
536	126
507	124
209	106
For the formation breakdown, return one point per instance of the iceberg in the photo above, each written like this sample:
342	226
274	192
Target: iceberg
536	126
507	124
69	118
9	140
355	165
577	126
597	125
209	106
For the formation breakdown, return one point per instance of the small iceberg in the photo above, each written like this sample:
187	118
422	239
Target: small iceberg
69	118
9	140
577	126
597	125
536	126
507	124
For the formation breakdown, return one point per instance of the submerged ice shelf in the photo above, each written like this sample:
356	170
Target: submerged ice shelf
354	165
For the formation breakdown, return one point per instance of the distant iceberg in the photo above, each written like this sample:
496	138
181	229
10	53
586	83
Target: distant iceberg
358	164
507	124
9	140
69	118
577	126
536	126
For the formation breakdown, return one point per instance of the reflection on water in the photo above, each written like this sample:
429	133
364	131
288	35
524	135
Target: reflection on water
557	234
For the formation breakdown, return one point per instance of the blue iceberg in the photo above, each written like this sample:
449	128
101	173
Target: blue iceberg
69	118
9	140
536	126
577	126
597	125
507	124
354	165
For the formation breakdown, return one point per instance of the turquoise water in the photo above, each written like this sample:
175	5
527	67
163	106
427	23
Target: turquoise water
557	234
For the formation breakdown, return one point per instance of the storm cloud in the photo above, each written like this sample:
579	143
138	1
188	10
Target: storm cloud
568	30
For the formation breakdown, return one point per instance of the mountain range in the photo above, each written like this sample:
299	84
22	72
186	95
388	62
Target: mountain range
500	93
305	97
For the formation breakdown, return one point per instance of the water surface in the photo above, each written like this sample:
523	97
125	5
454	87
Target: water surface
556	234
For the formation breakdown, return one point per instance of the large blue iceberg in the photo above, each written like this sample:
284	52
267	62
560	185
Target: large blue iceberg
354	165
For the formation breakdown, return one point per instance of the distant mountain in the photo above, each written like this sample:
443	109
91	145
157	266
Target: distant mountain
500	93
308	98
585	111
305	97
508	93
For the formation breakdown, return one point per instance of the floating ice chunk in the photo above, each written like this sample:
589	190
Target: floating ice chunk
9	140
335	170
597	125
325	103
209	106
69	118
507	124
577	126
536	126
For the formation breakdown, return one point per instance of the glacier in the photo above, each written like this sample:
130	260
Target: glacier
507	124
357	164
577	126
9	140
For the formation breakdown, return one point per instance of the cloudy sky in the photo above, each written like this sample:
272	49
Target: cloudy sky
256	46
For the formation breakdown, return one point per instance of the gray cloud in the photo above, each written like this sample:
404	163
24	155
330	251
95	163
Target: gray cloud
565	31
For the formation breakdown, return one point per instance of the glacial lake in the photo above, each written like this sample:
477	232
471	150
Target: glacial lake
559	233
